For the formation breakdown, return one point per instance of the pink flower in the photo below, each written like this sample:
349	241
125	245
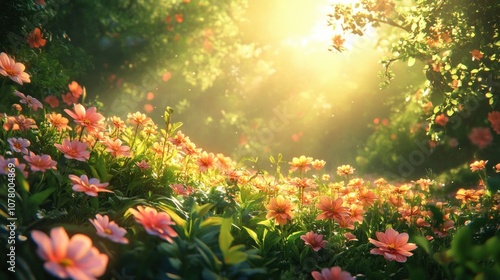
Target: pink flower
89	119
12	69
313	240
5	168
494	118
109	229
157	224
32	103
40	163
350	236
90	187
143	165
19	145
19	123
74	149
392	245
334	273
179	189
73	258
480	136
52	101
115	147
69	98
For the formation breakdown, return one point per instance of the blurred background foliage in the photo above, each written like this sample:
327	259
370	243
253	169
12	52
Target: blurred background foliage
255	78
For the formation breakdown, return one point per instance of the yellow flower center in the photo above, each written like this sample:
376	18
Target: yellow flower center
108	231
66	262
392	246
10	72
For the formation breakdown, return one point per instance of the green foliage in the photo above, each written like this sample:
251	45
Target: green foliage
457	44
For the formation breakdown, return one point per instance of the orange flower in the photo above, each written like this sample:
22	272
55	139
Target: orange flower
35	39
441	120
318	164
345	170
478	165
392	245
58	121
75	89
497	168
331	209
280	209
476	55
467	195
302	163
206	161
73	258
138	119
333	273
366	197
12	69
154	222
338	42
89	119
117	122
302	183
179	18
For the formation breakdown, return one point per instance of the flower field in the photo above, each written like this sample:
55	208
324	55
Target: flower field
97	196
87	194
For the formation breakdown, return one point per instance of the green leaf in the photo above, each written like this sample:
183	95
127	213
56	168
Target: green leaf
461	245
208	255
39	197
292	237
423	243
225	237
211	221
411	61
176	218
253	235
203	209
235	256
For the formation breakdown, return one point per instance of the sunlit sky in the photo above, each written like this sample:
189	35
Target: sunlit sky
298	38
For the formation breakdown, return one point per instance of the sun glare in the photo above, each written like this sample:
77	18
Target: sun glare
320	33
